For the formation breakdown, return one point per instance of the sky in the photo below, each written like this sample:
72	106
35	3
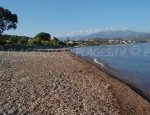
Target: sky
68	17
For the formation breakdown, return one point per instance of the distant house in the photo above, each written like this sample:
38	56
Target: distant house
111	41
71	43
124	42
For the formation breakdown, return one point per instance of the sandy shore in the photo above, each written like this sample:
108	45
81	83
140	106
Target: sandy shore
59	83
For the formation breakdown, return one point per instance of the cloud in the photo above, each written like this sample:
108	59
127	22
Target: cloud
95	30
83	32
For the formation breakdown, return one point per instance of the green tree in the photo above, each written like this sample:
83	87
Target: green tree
13	40
7	20
43	36
22	41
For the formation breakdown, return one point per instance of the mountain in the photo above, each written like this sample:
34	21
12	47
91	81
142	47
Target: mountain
121	34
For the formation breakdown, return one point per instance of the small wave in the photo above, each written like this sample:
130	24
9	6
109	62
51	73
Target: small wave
96	61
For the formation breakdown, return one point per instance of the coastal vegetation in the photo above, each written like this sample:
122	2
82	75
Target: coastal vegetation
43	39
8	21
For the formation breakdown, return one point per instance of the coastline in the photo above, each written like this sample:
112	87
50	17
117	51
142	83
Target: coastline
108	71
59	82
120	88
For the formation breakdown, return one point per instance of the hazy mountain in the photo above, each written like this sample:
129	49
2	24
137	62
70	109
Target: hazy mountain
122	34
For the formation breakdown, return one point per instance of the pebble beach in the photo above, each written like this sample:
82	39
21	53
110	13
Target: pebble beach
59	83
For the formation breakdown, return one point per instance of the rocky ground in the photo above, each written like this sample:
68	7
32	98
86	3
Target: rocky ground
59	83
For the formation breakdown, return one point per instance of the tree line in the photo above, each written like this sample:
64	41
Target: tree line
40	39
8	21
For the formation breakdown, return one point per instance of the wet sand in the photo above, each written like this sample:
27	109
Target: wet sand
60	83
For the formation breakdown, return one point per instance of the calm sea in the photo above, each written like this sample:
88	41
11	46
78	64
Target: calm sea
129	63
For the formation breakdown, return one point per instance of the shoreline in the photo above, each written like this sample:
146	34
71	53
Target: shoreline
126	86
59	82
138	91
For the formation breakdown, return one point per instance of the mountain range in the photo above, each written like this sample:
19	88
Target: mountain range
113	34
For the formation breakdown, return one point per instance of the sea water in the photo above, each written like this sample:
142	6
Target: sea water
128	62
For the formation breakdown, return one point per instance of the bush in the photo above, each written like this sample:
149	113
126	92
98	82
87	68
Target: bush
43	36
13	40
22	41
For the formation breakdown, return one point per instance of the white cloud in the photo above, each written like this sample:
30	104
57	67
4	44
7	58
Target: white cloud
83	32
95	30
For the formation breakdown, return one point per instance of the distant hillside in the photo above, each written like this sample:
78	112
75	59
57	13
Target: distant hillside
122	34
